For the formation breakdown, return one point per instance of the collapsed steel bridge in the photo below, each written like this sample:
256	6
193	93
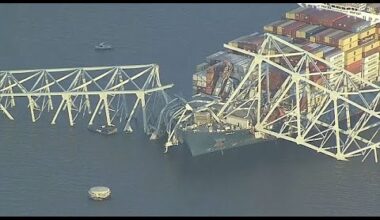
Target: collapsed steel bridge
120	91
324	125
117	92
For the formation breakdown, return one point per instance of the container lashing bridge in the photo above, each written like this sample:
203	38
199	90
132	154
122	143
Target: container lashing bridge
330	111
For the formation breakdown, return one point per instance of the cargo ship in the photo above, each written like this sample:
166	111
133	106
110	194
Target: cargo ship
341	33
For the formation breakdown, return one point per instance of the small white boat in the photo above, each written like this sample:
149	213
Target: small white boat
103	46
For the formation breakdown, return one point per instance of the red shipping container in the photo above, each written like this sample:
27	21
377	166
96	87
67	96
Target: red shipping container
304	15
276	79
355	67
251	44
322	67
328	19
287	30
346	23
316	15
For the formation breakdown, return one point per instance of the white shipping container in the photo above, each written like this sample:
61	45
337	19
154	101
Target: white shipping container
370	63
370	58
195	76
371	72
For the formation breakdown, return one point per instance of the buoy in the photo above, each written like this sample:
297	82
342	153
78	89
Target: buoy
99	192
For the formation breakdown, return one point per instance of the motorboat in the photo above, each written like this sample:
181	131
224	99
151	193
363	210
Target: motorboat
103	46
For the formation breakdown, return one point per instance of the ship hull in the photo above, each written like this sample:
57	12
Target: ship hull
203	142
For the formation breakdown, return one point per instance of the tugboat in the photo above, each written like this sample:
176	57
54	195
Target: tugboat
103	129
103	46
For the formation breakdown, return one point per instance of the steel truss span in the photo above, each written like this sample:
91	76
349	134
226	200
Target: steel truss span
332	112
113	93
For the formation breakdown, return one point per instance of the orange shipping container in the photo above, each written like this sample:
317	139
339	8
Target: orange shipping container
355	67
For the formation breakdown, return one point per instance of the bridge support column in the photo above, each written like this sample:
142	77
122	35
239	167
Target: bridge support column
69	108
141	97
31	107
95	111
103	97
128	127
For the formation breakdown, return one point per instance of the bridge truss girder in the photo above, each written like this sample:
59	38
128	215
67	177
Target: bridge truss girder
78	89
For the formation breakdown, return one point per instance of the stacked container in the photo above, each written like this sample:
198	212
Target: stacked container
335	57
308	30
351	24
345	42
249	42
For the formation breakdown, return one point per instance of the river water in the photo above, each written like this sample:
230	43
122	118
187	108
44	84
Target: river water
47	169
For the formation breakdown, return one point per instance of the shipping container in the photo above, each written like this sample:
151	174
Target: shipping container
354	52
344	40
303	15
201	67
328	37
280	27
340	38
371	73
367	39
250	42
355	67
328	18
319	37
370	63
211	59
318	51
370	52
276	79
370	45
349	46
351	24
290	30
367	32
292	14
233	58
335	57
272	27
241	68
308	30
350	60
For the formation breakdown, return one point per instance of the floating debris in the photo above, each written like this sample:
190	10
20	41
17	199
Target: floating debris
99	192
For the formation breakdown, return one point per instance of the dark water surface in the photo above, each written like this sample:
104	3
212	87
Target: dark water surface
47	170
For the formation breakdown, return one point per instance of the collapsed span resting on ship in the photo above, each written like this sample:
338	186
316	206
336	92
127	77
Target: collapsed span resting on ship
311	79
